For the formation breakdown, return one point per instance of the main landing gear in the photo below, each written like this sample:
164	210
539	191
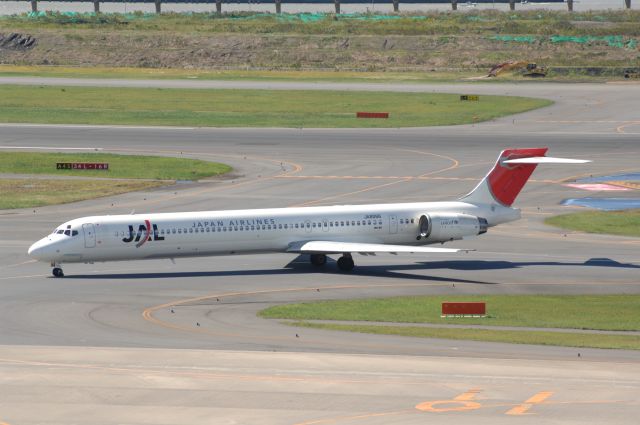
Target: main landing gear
318	259
57	270
345	263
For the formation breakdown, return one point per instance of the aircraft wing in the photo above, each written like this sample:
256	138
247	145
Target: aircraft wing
331	247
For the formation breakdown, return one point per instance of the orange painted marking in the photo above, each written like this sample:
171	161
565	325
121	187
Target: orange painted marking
469	395
458	404
523	409
621	129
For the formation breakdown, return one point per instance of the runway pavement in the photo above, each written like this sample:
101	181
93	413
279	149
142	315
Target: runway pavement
212	361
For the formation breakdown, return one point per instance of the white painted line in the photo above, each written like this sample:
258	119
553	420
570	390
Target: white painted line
50	148
96	126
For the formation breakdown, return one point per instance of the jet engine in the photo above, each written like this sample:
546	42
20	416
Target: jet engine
442	227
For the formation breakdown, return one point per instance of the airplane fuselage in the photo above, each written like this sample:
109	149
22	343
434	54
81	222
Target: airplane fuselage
210	233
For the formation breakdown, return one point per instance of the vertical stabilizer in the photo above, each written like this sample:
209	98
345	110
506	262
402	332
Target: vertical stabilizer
505	180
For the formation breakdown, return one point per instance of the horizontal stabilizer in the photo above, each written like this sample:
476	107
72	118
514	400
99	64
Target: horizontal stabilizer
545	160
331	247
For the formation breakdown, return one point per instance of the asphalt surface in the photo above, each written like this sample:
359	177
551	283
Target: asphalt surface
156	342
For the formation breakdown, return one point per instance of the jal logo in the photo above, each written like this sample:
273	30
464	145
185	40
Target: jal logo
143	234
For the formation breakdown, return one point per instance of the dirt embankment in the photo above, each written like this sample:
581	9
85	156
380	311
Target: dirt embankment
257	51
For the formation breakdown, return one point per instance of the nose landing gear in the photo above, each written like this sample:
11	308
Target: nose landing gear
57	270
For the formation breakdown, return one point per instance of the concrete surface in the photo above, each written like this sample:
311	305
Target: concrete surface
103	346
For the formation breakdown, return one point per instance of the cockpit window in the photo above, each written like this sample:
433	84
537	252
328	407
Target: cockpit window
74	233
60	232
67	232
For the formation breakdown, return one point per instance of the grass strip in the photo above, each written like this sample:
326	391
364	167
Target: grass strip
566	339
247	108
120	166
480	22
29	193
233	75
600	312
622	223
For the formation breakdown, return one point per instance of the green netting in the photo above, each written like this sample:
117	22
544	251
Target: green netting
320	16
611	40
81	17
516	38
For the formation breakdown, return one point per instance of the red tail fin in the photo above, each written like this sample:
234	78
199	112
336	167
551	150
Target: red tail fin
505	181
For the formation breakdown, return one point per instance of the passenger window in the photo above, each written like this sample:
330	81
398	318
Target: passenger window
179	230
173	231
412	221
286	226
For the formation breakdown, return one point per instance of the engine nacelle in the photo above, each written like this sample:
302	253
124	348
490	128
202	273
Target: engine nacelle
442	227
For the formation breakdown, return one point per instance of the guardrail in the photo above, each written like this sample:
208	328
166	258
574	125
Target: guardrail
278	3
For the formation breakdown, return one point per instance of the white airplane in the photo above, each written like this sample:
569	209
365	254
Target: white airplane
317	231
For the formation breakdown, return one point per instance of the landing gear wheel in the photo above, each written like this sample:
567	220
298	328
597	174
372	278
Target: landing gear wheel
318	259
345	263
57	272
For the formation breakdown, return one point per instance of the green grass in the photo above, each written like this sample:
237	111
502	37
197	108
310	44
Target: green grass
242	108
566	339
234	75
563	74
446	23
29	193
120	166
601	312
622	223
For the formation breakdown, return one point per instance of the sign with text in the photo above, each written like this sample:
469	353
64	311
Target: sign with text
372	115
464	309
82	166
474	97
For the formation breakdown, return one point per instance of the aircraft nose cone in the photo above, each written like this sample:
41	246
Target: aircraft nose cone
38	250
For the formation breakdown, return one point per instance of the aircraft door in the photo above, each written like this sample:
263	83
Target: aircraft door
88	229
393	224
